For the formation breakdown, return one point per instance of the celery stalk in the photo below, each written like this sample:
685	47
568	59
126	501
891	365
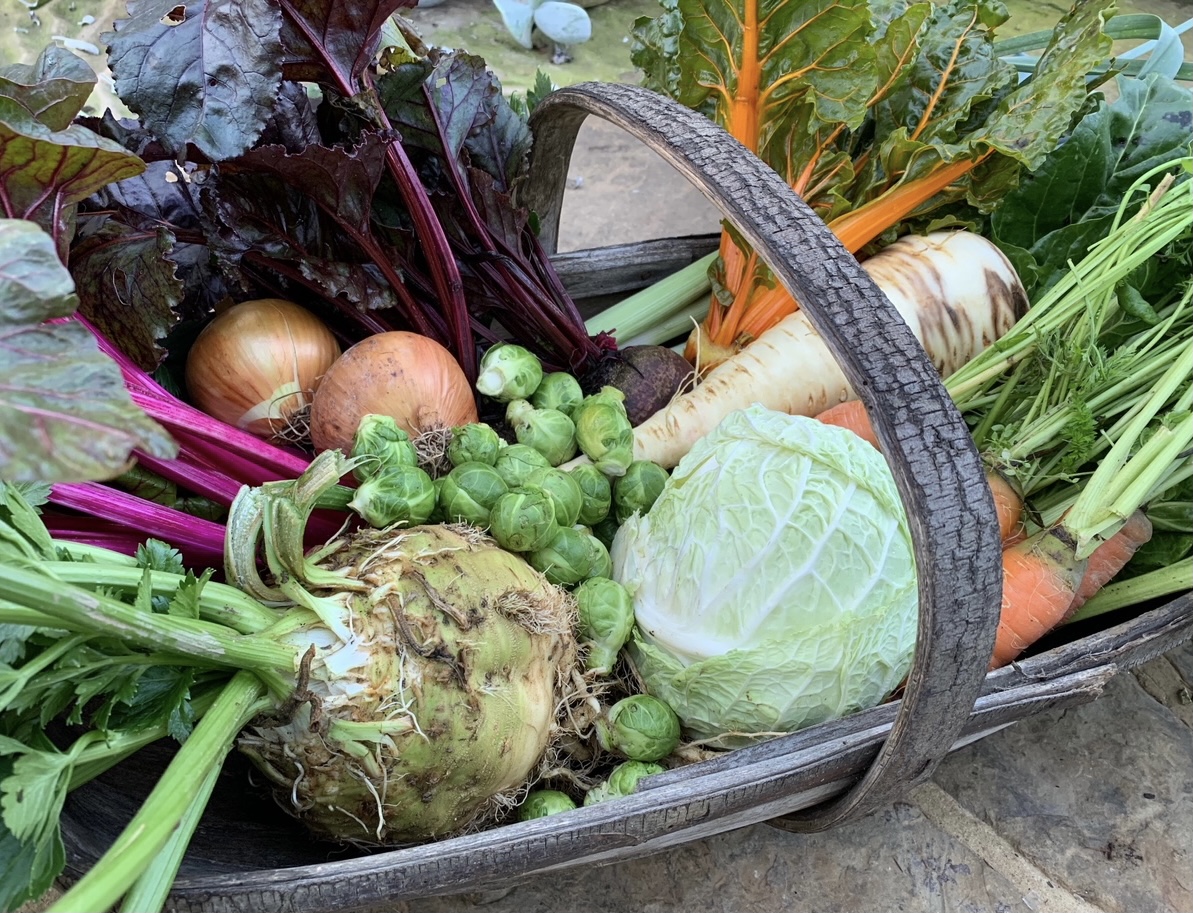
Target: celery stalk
153	886
644	311
1166	581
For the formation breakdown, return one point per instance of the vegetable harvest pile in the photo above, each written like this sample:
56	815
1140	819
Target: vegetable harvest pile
306	451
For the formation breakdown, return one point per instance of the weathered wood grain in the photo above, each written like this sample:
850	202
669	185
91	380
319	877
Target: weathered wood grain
236	877
628	267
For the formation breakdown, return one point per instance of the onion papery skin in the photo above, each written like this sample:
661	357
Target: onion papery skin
258	363
405	375
460	651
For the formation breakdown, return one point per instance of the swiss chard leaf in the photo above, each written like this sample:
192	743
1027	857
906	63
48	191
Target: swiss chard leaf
45	173
64	412
204	73
53	89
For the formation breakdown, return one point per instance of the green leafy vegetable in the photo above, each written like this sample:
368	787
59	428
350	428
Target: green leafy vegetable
1071	200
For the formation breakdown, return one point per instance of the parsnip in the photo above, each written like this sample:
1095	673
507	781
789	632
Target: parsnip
956	290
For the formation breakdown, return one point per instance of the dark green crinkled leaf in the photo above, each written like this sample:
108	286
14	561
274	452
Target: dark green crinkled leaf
64	412
53	89
358	283
1069	202
204	72
45	173
470	113
341	181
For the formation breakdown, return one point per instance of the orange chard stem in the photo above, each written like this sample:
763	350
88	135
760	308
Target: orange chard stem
732	316
767	309
858	228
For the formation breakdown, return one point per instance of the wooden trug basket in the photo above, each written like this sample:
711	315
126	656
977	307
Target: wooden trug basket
247	856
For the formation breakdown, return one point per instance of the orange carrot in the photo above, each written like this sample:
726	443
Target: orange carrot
1008	503
1040	577
851	414
1111	556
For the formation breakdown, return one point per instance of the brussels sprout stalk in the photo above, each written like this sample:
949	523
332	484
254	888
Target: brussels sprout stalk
509	372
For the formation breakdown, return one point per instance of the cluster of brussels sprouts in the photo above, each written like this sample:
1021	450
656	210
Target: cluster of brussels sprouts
559	519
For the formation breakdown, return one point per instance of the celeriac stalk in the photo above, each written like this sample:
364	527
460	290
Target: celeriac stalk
171	799
218	602
83	610
153	885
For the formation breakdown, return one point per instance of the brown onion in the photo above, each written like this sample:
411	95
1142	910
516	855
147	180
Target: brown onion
258	363
404	375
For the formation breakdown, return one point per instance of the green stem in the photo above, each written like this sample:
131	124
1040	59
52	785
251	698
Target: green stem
94	612
1166	581
1161	219
171	799
1113	487
149	894
80	551
218	602
640	312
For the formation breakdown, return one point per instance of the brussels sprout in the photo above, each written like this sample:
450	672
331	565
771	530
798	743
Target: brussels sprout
605	530
602	561
641	728
610	396
558	390
474	443
523	519
469	492
595	491
542	802
606	618
566	557
563	489
508	372
548	431
637	490
605	435
400	494
517	462
622	781
381	444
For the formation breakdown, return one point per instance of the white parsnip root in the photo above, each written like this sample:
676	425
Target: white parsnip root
956	291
